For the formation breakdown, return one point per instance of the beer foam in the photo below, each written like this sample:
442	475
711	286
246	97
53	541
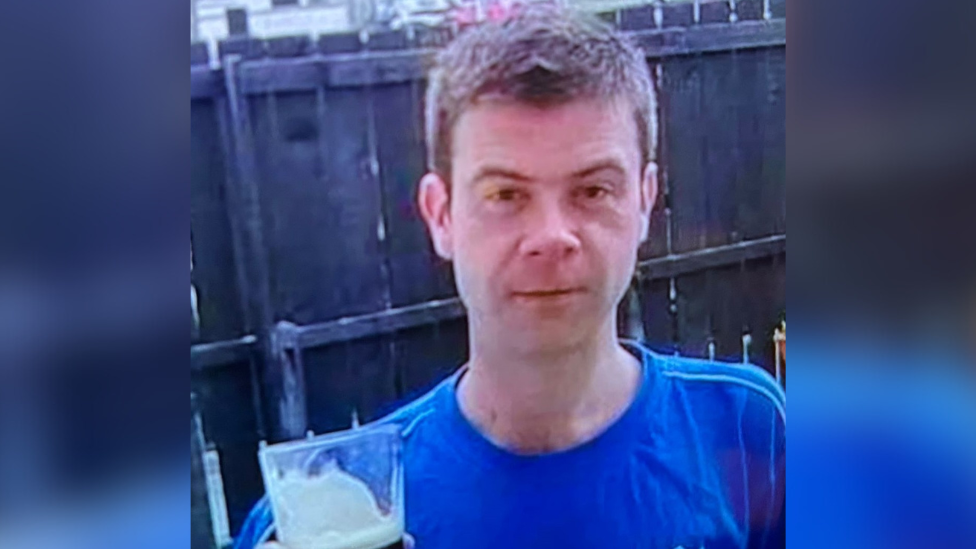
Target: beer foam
334	510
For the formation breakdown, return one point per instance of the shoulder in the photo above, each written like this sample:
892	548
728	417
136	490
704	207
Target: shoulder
743	382
416	414
730	404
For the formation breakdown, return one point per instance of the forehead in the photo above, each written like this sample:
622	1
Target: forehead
545	138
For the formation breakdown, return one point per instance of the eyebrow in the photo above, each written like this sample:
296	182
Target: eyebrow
487	172
611	165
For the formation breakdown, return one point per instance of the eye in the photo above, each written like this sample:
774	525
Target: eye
594	192
504	195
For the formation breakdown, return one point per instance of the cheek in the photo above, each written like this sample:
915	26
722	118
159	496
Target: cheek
620	229
475	254
616	247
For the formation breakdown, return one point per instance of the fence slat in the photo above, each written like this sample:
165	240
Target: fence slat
218	295
417	274
283	391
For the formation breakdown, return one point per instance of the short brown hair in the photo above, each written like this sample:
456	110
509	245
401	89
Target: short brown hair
545	55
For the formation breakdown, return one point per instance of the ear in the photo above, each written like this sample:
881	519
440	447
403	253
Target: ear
434	200
648	197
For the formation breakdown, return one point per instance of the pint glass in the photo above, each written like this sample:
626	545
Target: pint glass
343	490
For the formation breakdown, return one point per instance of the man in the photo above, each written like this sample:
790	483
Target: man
542	179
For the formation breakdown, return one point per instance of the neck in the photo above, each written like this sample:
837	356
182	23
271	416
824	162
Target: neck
541	401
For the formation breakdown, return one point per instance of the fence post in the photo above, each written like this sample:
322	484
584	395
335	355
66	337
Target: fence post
290	367
282	393
201	523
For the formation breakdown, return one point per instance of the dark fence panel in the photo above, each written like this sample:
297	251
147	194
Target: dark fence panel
428	354
201	524
764	293
710	313
320	203
693	315
724	140
727	320
416	274
656	314
346	377
761	143
214	275
722	305
226	401
371	376
683	167
773	145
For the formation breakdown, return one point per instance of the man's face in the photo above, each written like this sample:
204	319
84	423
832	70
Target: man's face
546	210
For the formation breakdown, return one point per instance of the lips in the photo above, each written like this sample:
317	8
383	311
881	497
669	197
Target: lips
549	292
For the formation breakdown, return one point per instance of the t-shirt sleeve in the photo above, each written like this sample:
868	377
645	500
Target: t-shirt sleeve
763	426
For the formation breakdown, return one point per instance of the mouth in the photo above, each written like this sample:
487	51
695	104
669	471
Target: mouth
553	293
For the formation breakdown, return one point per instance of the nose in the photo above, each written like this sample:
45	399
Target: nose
551	234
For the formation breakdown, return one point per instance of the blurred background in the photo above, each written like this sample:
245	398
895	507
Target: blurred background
214	20
317	300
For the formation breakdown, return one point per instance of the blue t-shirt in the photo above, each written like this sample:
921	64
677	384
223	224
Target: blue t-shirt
696	461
